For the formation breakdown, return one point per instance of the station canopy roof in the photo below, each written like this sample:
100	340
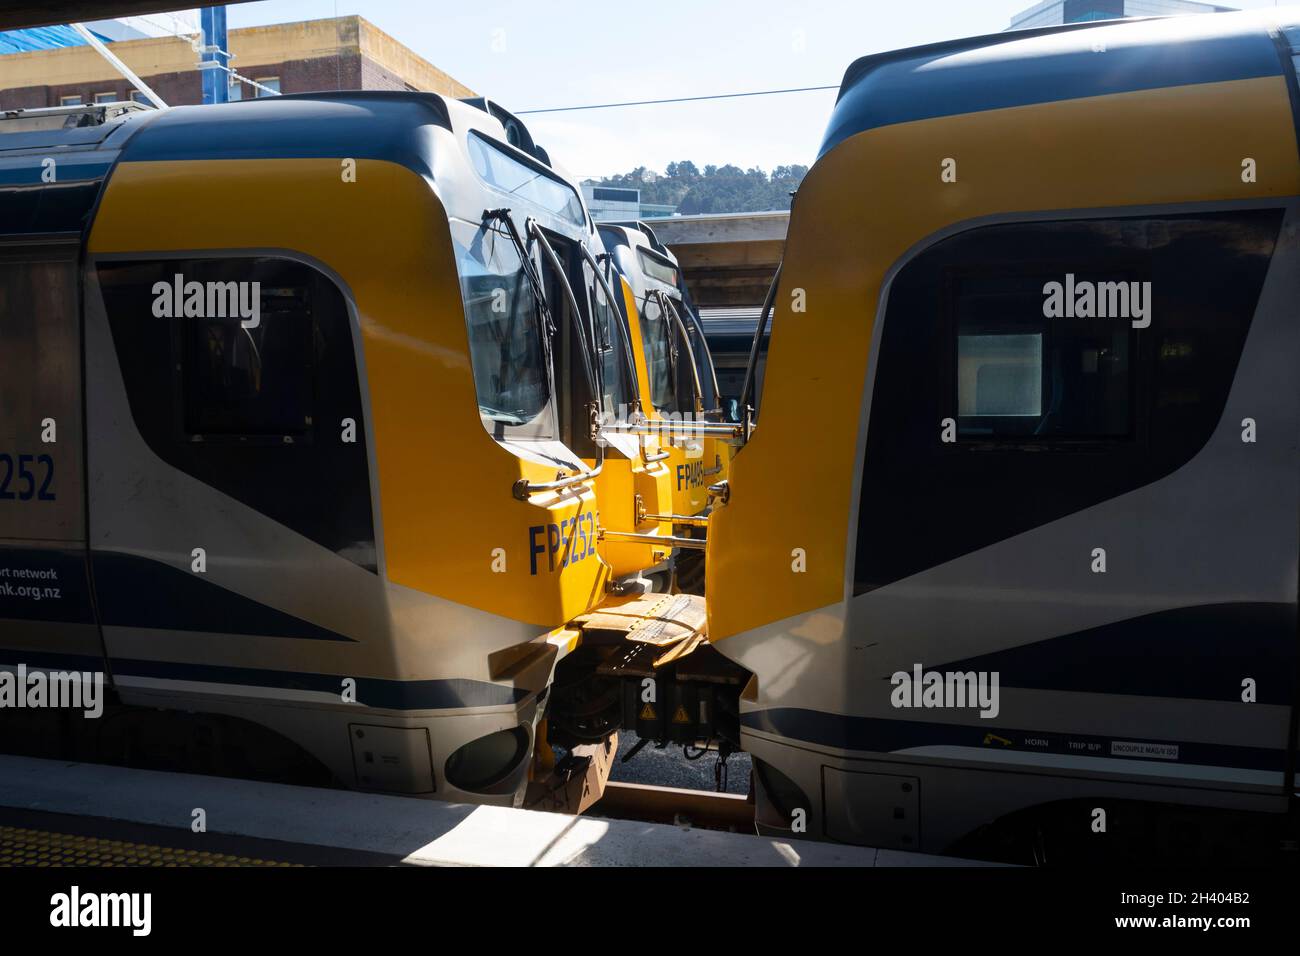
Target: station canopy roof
41	38
16	14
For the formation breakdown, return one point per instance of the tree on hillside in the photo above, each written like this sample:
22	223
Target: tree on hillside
715	189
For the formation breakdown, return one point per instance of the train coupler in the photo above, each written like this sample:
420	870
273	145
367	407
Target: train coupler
646	664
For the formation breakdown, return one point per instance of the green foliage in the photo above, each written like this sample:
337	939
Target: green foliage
715	189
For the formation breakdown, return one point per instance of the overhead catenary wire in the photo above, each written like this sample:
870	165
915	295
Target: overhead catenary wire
679	99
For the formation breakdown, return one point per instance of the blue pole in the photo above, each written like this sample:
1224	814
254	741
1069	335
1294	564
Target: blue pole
216	83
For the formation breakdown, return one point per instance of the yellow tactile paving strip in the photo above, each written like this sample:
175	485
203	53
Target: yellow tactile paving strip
22	847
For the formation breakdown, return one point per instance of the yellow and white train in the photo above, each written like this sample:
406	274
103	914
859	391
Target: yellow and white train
305	426
1040	290
311	394
680	382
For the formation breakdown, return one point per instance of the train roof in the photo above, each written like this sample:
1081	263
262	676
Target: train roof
1026	67
636	232
361	124
411	129
621	238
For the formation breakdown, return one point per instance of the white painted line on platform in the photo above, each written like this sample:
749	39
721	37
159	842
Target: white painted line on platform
425	832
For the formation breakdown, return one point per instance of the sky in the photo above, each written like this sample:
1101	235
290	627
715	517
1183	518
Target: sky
554	53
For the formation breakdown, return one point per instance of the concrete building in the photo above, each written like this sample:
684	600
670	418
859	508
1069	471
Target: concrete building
621	203
344	53
728	260
1054	12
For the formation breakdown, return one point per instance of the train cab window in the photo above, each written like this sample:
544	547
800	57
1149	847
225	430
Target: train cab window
240	372
523	181
1057	407
246	380
657	342
708	375
241	340
507	350
657	268
710	397
999	377
613	357
1024	376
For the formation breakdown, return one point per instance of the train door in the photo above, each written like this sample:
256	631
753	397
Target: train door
47	616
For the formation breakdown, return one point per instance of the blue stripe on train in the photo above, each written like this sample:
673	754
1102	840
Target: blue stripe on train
444	694
136	592
887	735
1199	653
139	592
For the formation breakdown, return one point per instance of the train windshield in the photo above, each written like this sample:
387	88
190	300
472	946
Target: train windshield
703	360
656	267
502	312
515	178
619	389
659	344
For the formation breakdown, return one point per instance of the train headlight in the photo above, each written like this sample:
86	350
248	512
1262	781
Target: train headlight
481	764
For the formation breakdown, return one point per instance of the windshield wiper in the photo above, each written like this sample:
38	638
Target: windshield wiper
670	310
523	488
615	318
508	418
590	368
526	263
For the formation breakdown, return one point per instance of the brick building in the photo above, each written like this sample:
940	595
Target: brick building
344	53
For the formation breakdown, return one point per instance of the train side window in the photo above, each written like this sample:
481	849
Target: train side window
249	364
999	379
242	380
1057	409
1023	376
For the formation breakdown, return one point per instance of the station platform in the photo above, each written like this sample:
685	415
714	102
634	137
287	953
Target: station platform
56	813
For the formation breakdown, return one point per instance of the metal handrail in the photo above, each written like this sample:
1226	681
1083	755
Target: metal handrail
685	429
523	487
695	544
694	521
